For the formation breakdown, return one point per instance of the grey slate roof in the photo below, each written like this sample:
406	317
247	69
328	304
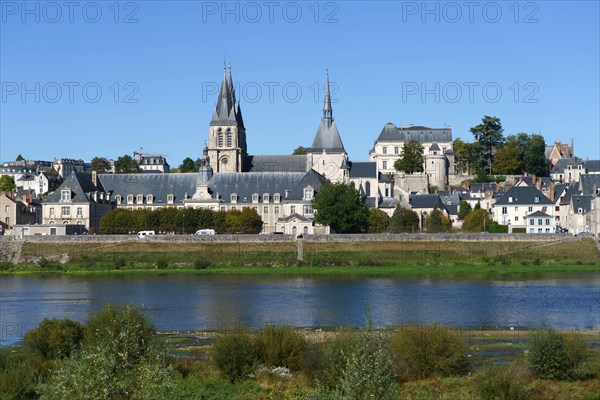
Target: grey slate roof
312	178
563	163
363	169
227	110
388	202
592	166
545	180
81	186
297	163
158	184
434	147
587	182
425	201
523	195
391	133
572	189
582	201
327	138
538	214
292	216
245	184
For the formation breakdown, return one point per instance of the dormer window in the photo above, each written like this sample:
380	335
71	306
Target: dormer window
536	199
266	198
170	199
568	167
510	199
277	198
118	198
580	210
579	167
234	197
149	199
65	195
140	199
255	198
308	193
129	199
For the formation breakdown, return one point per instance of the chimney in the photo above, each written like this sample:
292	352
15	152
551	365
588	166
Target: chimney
551	191
539	183
95	178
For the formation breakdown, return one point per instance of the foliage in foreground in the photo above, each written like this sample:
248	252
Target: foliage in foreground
55	338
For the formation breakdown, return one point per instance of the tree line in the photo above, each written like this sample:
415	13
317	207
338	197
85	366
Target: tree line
180	220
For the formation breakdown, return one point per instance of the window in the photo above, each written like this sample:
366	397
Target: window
277	198
547	230
384	165
568	167
308	210
384	150
140	199
51	212
229	139
308	193
530	209
531	230
504	210
7	220
396	150
547	221
536	199
119	199
557	208
220	134
276	210
170	198
531	221
539	230
580	210
7	208
539	221
266	198
292	209
368	188
516	208
516	218
510	199
65	211
149	199
65	195
265	209
544	209
79	211
255	198
129	199
233	198
233	207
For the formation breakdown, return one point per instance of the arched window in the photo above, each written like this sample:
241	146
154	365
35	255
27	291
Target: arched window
368	189
294	231
306	230
220	134
229	138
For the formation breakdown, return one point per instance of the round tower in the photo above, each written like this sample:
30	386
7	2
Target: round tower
436	167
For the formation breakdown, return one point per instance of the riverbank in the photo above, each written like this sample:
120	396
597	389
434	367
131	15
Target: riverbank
308	257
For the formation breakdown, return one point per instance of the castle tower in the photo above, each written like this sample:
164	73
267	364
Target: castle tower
436	167
327	155
227	148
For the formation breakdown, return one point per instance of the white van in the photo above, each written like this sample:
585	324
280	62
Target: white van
143	234
205	232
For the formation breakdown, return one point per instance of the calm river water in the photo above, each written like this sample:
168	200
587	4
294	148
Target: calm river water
194	302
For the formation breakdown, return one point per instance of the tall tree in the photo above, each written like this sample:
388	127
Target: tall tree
187	165
300	150
101	165
403	220
535	156
478	220
126	165
437	221
378	221
509	158
464	209
342	208
467	156
7	184
411	160
489	135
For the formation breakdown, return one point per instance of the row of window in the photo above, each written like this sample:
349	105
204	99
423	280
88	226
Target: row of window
540	221
228	136
529	209
66	212
540	230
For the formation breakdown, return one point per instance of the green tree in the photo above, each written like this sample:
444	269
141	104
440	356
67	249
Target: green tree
535	156
467	157
249	221
7	184
55	338
101	165
126	165
509	158
437	221
378	221
300	150
477	220
464	209
187	165
403	220
20	158
489	135
411	160
342	208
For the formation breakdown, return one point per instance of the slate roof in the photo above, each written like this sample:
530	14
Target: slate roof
587	183
363	169
592	166
227	110
391	133
545	180
582	201
538	214
81	186
311	178
572	189
425	201
158	184
297	163
292	216
563	163
388	202
523	195
434	147
327	138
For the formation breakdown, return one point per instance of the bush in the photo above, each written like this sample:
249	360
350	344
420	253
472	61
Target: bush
201	263
424	351
55	338
333	358
504	382
281	346
162	263
17	378
234	354
556	356
44	263
368	372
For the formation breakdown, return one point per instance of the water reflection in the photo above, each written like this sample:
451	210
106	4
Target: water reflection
189	302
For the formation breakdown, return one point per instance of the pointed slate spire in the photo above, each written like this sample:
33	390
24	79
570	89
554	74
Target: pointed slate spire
327	110
227	110
327	138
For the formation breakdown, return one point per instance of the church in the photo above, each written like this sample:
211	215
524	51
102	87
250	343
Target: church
278	187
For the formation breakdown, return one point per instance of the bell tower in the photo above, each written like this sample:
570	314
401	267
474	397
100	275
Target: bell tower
227	148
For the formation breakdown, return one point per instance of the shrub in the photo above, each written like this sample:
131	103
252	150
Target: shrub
281	346
504	382
162	263
201	263
424	351
556	356
234	354
333	356
17	377
55	338
368	372
44	263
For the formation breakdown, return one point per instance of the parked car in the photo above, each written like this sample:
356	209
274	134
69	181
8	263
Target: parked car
205	232
143	234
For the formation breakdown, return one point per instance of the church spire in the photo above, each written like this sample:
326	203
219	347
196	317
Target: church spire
327	111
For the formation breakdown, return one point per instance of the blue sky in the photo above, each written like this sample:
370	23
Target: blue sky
533	64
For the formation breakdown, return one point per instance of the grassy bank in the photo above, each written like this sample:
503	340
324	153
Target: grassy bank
319	258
